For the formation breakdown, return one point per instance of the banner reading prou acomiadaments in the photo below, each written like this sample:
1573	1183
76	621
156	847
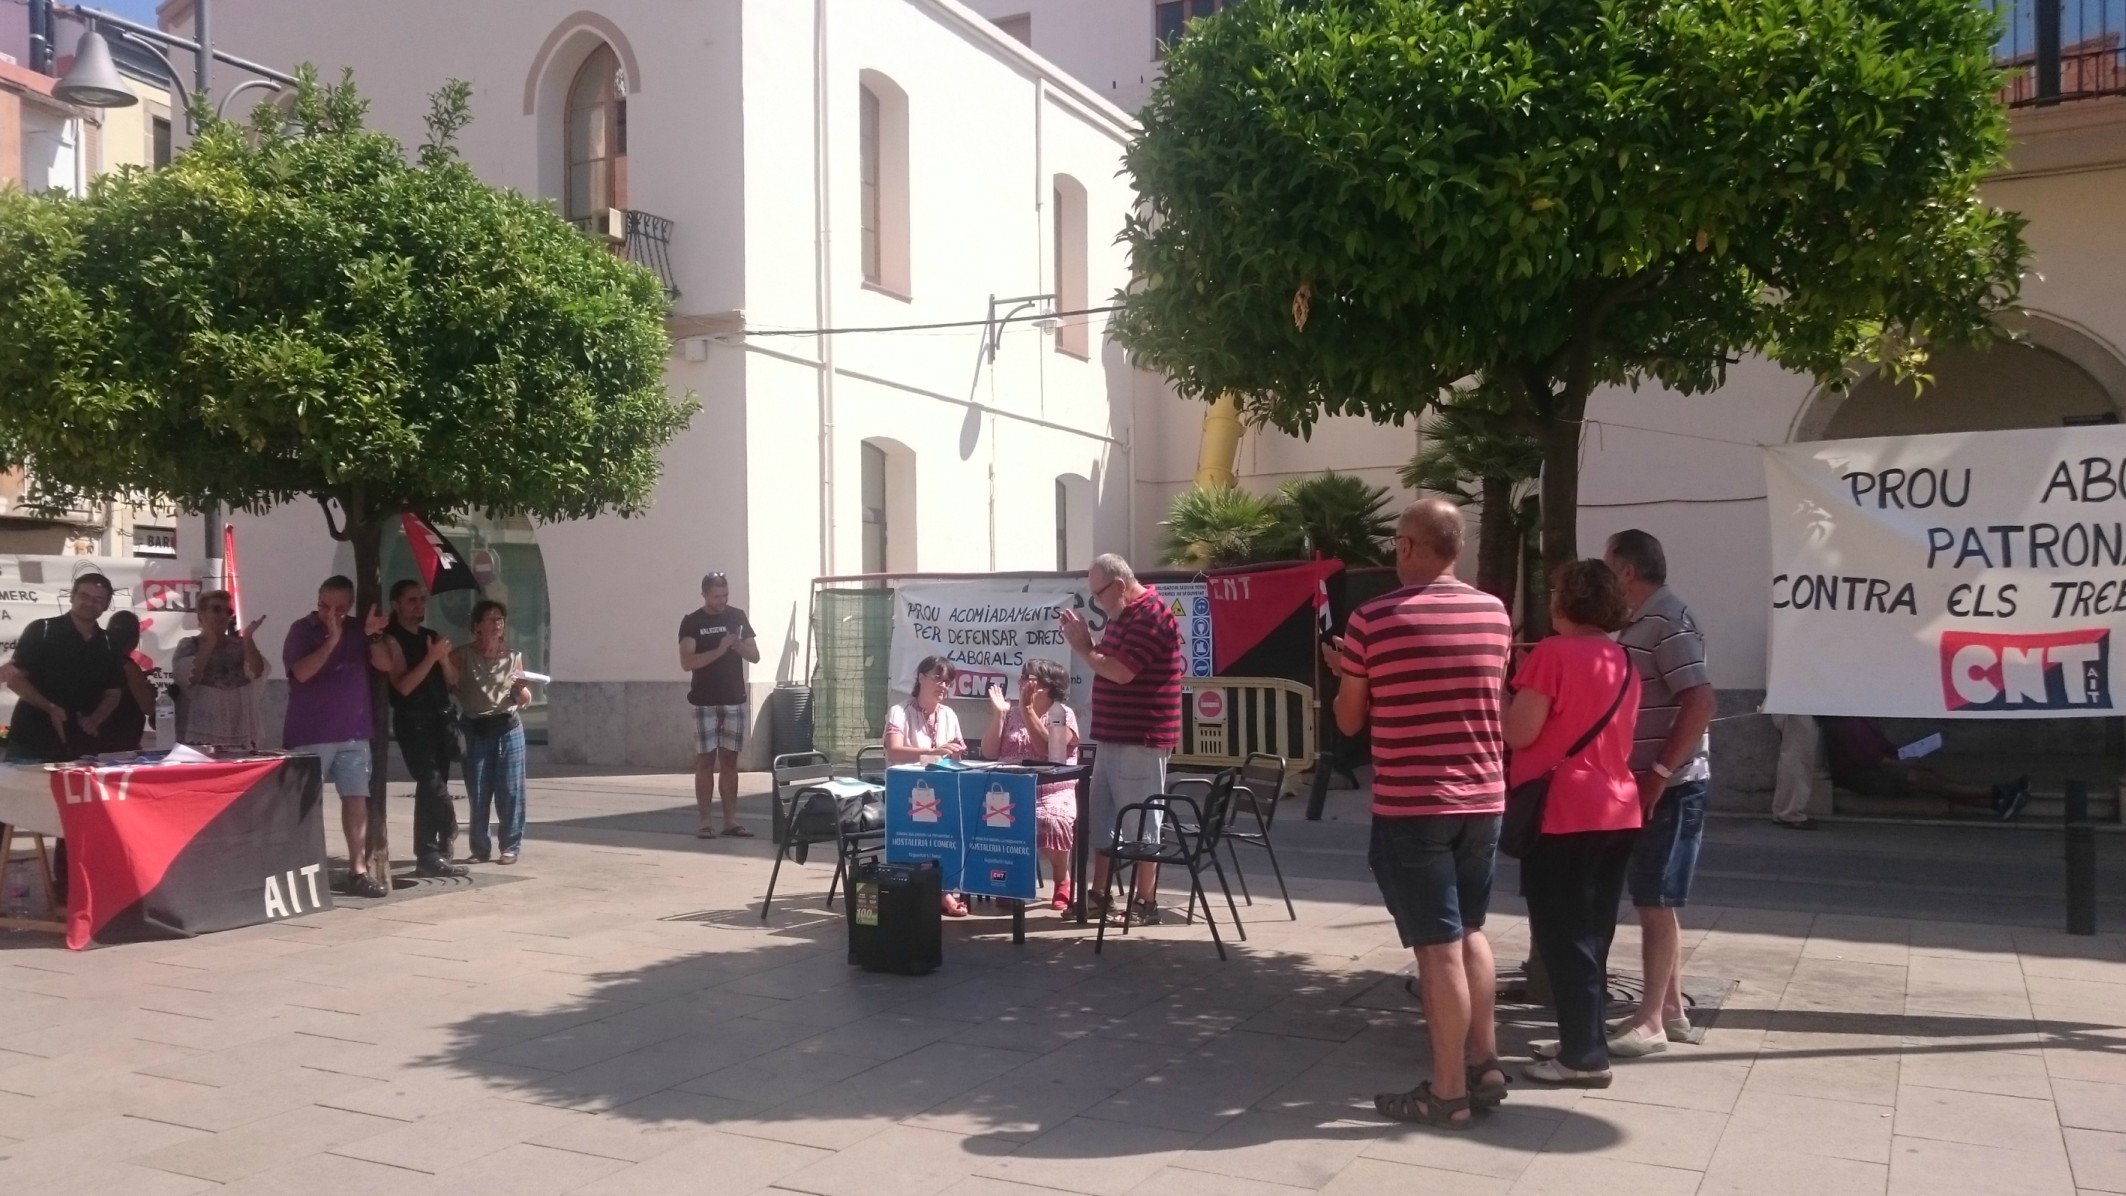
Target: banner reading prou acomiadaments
1977	574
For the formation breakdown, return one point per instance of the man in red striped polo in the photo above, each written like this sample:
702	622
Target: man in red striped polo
1136	715
1424	670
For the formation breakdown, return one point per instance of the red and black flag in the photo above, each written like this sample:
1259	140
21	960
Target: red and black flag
173	851
443	568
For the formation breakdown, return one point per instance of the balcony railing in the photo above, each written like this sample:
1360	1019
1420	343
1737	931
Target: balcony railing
639	237
2061	50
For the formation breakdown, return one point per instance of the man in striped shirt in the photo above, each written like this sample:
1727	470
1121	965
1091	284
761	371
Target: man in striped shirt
1669	755
1136	714
1424	669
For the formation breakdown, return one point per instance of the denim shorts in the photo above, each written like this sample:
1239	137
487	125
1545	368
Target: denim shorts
1666	856
1434	873
345	764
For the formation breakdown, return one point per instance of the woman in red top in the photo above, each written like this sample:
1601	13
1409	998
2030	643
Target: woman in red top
1575	874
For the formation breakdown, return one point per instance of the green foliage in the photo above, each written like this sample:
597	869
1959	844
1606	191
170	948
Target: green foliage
1465	444
1335	514
280	314
1355	205
1219	526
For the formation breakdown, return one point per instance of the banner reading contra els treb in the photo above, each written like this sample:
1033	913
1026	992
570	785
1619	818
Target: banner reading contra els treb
1978	574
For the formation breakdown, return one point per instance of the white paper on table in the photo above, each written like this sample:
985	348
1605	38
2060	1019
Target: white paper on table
186	755
1920	747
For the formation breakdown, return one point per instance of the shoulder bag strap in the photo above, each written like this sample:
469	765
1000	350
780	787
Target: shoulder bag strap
1601	724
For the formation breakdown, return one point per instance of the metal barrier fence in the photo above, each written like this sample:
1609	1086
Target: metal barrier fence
852	633
1225	719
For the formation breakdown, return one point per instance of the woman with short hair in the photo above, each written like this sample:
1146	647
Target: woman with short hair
1040	728
925	725
216	673
1570	685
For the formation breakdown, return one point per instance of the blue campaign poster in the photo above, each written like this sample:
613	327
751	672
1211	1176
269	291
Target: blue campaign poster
923	820
978	825
997	810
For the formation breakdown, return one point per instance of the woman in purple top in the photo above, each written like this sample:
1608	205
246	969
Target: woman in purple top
1040	728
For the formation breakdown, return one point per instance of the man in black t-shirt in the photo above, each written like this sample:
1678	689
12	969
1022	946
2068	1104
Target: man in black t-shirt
66	679
417	663
714	643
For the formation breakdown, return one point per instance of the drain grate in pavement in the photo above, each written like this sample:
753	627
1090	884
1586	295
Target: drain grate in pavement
407	887
1705	996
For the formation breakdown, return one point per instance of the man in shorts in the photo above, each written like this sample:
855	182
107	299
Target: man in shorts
715	641
1424	669
327	654
1670	755
1137	670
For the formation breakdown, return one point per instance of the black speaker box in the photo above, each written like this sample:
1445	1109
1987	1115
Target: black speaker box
894	923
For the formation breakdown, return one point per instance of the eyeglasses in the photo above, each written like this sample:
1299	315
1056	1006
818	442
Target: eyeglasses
1112	582
715	579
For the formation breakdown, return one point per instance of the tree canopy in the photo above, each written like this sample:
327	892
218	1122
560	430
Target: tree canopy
296	309
1354	205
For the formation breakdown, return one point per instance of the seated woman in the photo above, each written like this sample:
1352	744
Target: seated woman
1575	686
923	726
1042	729
1864	761
215	673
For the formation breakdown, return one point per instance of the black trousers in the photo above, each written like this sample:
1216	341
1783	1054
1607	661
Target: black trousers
427	742
1572	884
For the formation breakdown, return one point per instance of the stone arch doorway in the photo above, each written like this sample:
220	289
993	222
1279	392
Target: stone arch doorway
2058	374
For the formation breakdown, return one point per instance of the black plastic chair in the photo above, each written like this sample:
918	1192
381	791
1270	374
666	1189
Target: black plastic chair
871	763
1190	839
1260	791
806	815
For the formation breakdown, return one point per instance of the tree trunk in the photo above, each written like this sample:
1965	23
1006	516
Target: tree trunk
365	534
1561	486
1535	584
1497	543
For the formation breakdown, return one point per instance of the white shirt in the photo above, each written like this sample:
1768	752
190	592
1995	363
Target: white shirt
926	731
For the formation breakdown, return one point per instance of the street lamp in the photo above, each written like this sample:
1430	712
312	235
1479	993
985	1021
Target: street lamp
93	82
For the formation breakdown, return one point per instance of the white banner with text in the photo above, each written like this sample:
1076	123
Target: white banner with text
1975	574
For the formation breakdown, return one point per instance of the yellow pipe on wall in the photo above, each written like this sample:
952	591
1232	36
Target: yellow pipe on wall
1221	444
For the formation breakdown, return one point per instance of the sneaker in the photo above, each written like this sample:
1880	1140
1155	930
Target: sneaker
1631	1044
1557	1075
1139	913
361	884
435	867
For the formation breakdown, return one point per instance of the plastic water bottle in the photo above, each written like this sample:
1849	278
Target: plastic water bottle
165	719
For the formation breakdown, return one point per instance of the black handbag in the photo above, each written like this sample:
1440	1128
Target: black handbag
1523	822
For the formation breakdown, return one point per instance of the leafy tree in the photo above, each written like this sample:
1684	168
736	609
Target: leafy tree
1335	514
1464	443
1217	526
1354	205
282	315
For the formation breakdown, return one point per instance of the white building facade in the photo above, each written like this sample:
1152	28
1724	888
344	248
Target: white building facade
791	165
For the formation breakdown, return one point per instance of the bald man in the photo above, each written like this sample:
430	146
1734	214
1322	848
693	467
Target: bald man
1424	669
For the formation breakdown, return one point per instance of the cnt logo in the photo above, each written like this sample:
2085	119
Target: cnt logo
2062	670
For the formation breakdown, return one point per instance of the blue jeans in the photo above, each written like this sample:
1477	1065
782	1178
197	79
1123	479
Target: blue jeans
494	781
1434	873
1665	858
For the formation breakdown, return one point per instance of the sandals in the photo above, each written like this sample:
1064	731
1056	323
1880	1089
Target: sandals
1422	1106
1483	1095
737	832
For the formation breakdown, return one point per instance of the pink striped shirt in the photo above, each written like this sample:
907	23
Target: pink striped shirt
1434	659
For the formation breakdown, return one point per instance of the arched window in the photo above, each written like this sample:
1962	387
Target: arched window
596	132
1072	335
882	171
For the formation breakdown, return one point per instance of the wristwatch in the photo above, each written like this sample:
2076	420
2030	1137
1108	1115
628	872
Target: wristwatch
1662	770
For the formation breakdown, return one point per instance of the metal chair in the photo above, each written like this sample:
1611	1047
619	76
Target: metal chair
804	815
871	763
1260	791
1195	830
